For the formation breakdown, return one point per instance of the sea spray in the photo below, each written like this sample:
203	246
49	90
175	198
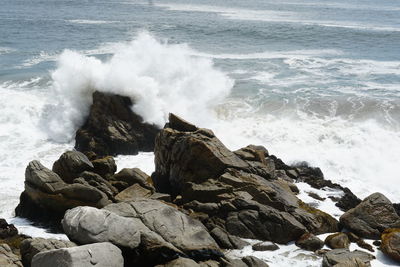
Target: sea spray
159	78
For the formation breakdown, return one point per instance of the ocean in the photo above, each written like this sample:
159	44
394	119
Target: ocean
311	80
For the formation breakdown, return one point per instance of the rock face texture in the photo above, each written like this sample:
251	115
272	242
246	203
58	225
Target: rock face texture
338	240
310	242
113	128
391	243
32	246
238	192
344	256
71	164
155	231
99	255
8	258
47	196
371	217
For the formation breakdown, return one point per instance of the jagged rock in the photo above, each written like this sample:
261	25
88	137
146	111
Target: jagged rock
151	231
32	246
265	246
226	240
95	180
362	244
7	230
391	243
131	176
238	190
71	164
338	240
310	242
133	192
99	255
371	217
47	196
343	255
8	258
112	128
348	200
105	167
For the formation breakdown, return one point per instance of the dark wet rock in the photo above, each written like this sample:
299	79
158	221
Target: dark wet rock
309	242
47	196
32	246
131	176
391	243
99	255
362	244
8	258
149	231
396	206
249	261
180	262
112	128
352	237
98	182
227	241
7	230
265	246
338	240
371	217
105	167
342	255
348	200
321	252
377	243
238	191
316	196
71	164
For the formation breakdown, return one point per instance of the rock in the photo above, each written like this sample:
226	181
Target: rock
133	192
227	241
7	230
315	196
391	243
265	246
156	231
352	263
95	180
343	255
47	196
249	261
71	164
338	240
348	200
8	258
99	255
32	246
132	176
112	128
362	244
180	262
238	191
105	167
180	124
310	242
377	243
371	217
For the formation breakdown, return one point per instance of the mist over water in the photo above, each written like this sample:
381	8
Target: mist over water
311	81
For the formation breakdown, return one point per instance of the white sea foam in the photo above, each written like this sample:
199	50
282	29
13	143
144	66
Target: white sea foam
6	50
87	21
160	77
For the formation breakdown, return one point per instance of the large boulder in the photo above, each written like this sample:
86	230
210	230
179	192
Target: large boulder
237	191
113	128
32	246
47	196
99	255
343	255
371	217
149	228
391	243
71	164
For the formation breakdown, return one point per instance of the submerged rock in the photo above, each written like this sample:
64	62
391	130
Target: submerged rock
391	243
371	217
236	191
112	128
99	255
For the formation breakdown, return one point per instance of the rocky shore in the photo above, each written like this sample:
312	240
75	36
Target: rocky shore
202	201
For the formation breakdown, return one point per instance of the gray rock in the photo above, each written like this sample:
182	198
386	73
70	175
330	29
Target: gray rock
159	230
342	255
371	217
71	164
99	255
8	258
352	263
180	262
32	246
265	246
226	240
133	176
249	261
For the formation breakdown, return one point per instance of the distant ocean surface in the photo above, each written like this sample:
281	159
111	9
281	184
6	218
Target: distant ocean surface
315	81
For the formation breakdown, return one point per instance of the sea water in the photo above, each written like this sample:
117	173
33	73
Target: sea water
311	80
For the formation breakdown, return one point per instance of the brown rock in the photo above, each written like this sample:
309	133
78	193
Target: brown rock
391	243
338	240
